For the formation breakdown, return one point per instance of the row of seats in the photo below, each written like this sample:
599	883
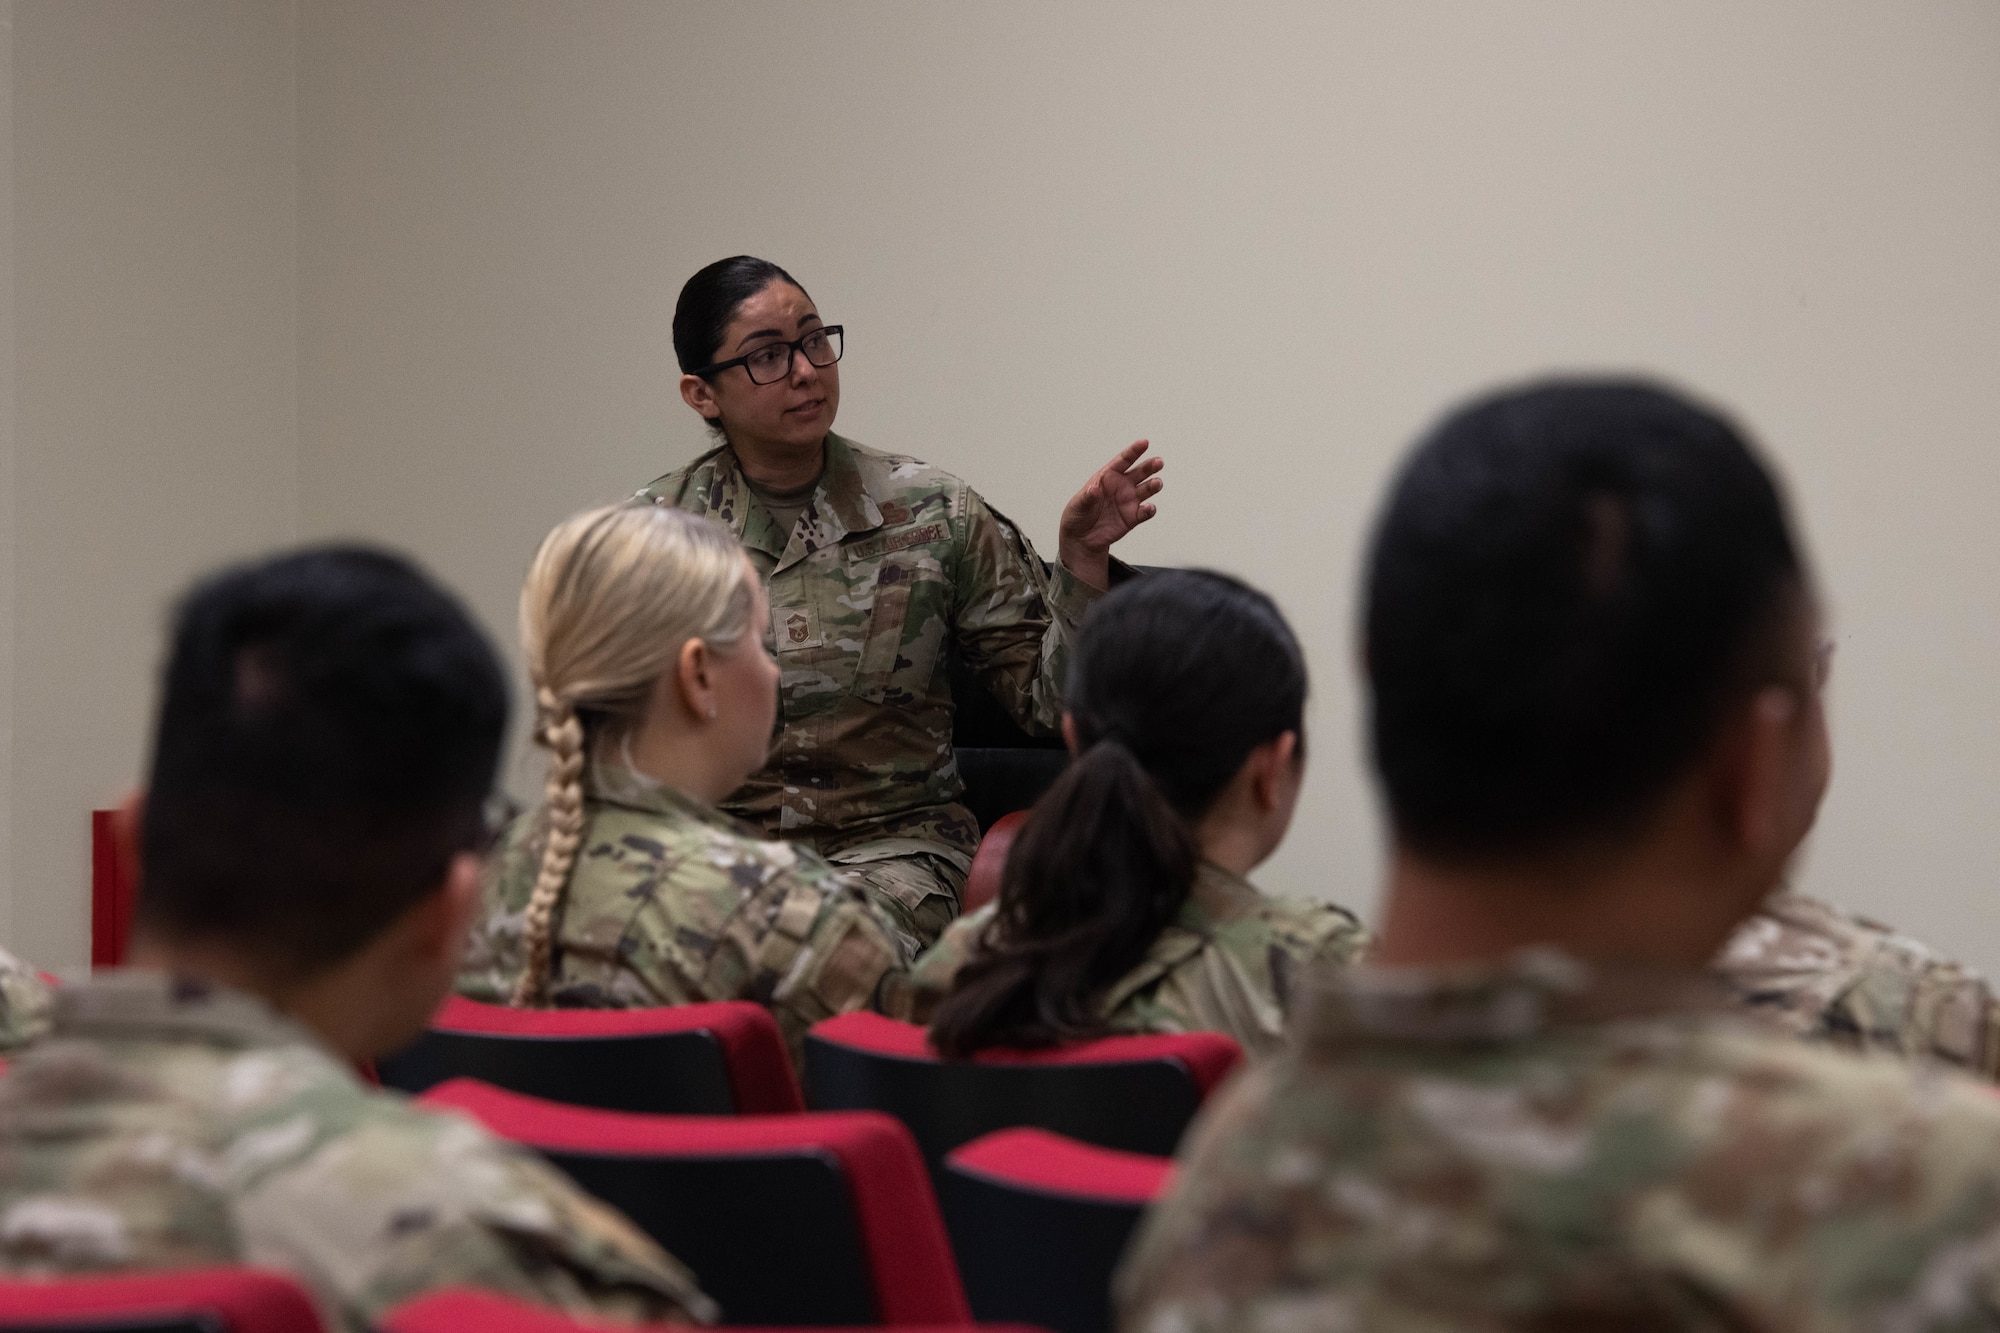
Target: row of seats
1135	1093
1030	1170
689	1119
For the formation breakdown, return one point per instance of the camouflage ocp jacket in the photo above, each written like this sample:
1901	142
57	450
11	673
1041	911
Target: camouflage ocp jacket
673	902
165	1124
891	561
1227	964
1540	1144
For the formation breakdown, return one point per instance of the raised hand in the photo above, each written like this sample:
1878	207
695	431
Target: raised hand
1116	499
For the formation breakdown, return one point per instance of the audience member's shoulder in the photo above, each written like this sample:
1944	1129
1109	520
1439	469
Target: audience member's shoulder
386	1199
1796	934
1856	982
1310	928
25	1000
1302	928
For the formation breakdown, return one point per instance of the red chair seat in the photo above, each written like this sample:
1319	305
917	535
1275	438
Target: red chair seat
1034	1159
982	882
1136	1093
462	1310
195	1300
691	1059
1040	1222
793	1219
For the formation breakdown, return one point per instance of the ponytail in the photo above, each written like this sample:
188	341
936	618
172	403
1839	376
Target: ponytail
561	730
1174	680
1110	862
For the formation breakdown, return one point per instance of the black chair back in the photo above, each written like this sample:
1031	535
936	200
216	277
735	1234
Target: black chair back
807	1266
1140	1106
673	1073
1033	1257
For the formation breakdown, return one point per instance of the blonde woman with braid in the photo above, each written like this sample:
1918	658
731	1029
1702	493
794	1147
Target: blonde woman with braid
655	696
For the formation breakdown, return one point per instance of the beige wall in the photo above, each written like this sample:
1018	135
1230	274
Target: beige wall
155	399
1275	238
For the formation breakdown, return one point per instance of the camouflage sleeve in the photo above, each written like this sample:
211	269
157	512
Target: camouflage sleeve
806	942
1014	623
915	998
404	1201
25	1000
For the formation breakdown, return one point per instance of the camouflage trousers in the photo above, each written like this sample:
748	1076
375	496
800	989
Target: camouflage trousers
917	891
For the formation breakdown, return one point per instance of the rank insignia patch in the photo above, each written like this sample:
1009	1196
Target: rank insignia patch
796	626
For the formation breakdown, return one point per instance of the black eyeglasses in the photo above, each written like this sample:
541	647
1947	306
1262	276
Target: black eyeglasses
773	361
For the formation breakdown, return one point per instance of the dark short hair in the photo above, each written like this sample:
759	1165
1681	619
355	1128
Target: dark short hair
1175	679
1569	585
711	298
329	729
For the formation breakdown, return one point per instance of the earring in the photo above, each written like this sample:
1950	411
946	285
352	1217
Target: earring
711	712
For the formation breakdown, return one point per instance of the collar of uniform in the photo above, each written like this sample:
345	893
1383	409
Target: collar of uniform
136	1002
718	488
847	505
1533	991
1217	896
840	506
623	785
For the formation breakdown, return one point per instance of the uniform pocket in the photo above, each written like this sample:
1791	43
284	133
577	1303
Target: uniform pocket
906	630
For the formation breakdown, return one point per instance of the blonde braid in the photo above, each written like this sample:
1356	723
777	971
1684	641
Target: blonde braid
562	731
612	596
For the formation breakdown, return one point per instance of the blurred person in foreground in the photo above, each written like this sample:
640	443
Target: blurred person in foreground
311	848
643	629
1125	904
1593	649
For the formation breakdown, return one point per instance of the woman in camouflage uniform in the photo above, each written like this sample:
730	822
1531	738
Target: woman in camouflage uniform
879	567
1123	906
655	697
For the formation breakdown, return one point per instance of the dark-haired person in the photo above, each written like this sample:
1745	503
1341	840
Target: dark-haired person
877	565
1124	905
1591	644
311	849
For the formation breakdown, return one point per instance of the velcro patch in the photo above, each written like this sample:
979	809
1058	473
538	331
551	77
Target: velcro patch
896	541
795	627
